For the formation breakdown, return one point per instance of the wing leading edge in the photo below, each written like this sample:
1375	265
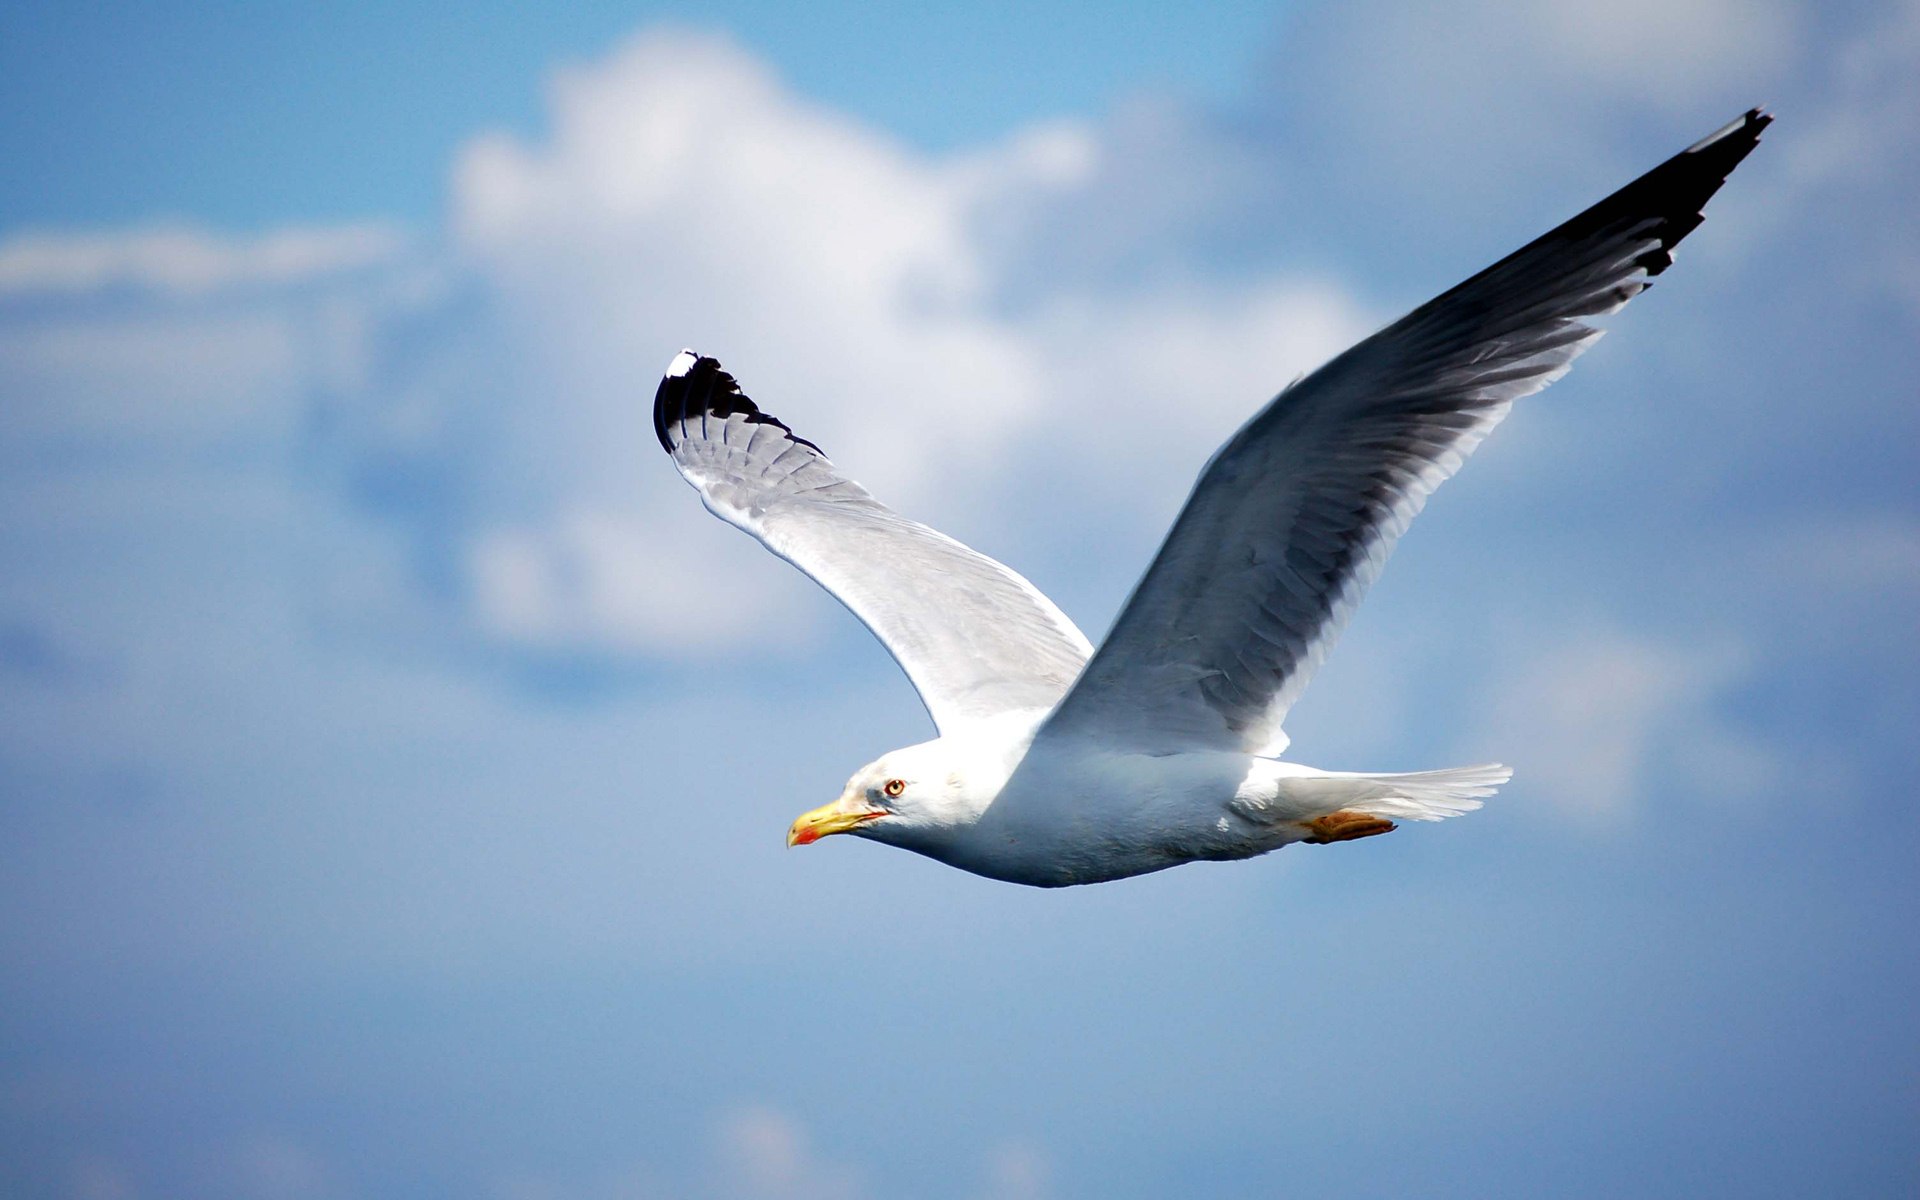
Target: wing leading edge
975	638
1293	518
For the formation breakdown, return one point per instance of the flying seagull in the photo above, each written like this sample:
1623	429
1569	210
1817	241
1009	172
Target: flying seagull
1060	764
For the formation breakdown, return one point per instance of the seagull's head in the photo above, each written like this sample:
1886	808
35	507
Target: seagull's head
904	797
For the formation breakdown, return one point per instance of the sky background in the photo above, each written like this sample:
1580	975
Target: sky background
394	758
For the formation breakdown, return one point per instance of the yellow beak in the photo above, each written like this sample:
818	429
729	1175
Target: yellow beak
828	818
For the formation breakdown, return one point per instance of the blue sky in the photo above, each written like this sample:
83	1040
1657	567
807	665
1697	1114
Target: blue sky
261	114
394	758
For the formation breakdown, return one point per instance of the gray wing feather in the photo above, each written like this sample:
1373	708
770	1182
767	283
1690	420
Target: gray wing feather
1293	518
975	638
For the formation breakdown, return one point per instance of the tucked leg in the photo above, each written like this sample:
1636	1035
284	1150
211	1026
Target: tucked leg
1344	826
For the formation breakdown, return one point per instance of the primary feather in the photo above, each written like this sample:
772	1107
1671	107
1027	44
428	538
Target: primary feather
975	638
1295	516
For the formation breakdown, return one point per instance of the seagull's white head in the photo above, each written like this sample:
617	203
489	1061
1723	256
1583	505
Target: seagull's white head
910	797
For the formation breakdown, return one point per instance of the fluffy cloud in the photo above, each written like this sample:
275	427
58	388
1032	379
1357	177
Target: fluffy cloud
1857	151
860	289
1016	1171
1028	308
185	261
763	1154
1599	717
759	1152
1438	94
151	377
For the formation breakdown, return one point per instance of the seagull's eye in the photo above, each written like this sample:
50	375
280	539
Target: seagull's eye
893	787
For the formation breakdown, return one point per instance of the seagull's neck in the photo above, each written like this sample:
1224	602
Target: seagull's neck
988	751
959	776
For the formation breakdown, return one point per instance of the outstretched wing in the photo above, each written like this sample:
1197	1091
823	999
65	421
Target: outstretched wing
975	638
1295	515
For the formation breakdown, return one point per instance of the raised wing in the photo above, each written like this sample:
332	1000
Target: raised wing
1295	515
975	638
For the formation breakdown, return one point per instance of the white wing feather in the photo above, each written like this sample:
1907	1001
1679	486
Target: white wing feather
975	638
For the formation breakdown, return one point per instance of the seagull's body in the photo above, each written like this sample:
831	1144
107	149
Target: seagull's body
1054	811
1057	764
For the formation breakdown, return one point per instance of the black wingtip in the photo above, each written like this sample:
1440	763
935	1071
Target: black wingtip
1744	128
1677	190
695	387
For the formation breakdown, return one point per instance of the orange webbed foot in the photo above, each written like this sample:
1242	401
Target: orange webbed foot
1344	826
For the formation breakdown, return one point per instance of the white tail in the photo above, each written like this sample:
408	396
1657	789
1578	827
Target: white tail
1422	795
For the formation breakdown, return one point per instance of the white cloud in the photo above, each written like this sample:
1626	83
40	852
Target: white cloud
1855	153
153	342
1679	54
152	378
1603	719
1017	1171
99	1179
273	1166
760	1152
684	197
617	579
189	262
1484	72
911	313
763	1154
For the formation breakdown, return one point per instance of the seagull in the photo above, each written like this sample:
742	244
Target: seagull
1058	764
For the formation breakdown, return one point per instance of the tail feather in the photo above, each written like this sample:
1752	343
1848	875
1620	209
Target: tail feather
1424	795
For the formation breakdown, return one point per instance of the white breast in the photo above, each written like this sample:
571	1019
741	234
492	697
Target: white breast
1079	816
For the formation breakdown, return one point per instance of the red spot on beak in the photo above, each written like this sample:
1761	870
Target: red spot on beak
806	837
